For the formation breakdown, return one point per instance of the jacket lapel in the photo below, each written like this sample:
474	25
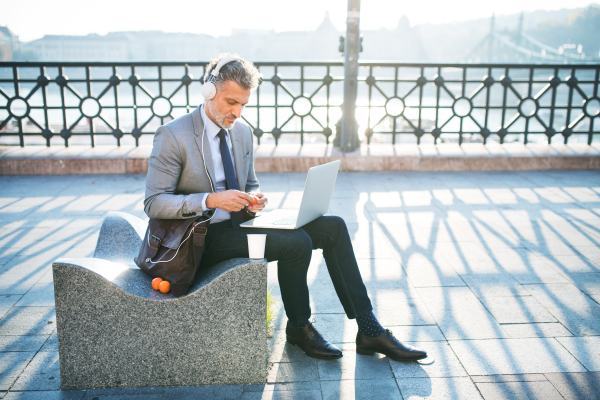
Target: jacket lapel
199	130
238	156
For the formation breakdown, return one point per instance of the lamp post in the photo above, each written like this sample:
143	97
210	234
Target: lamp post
349	140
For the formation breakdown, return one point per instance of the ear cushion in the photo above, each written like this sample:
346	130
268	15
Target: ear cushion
209	90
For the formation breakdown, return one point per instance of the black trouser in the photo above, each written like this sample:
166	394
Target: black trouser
293	250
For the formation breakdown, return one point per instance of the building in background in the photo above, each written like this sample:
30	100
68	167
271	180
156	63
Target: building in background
536	36
9	44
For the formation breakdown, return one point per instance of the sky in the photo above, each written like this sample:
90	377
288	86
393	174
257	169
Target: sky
32	19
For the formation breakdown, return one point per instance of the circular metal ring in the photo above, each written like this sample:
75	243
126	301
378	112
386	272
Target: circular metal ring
528	107
18	107
161	106
90	107
302	106
394	106
591	107
462	107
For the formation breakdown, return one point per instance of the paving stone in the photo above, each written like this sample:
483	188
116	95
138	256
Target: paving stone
585	349
439	232
561	241
535	330
7	253
459	314
22	343
382	271
79	252
293	372
323	297
588	282
578	385
285	395
591	253
283	386
573	264
281	351
28	321
21	236
519	309
51	344
574	309
124	391
438	388
46	395
221	392
336	328
42	373
426	271
11	366
399	230
519	390
354	366
375	389
468	258
514	356
417	333
393	308
509	378
40	295
36	258
7	301
19	283
494	285
126	397
446	364
536	270
372	234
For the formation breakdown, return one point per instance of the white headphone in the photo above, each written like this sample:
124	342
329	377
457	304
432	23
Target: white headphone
209	89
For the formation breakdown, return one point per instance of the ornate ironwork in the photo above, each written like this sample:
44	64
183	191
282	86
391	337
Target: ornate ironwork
396	102
476	101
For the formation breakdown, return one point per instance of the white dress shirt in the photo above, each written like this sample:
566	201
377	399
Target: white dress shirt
211	132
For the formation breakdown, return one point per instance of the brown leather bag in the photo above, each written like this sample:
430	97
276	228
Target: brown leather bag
172	250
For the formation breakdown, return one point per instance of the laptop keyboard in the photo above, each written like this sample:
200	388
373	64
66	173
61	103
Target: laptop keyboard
286	221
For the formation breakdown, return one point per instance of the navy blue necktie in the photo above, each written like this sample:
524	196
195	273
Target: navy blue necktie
230	178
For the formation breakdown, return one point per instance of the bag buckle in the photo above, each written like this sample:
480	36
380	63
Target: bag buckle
157	238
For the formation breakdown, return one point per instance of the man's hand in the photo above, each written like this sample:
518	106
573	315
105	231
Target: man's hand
262	202
229	200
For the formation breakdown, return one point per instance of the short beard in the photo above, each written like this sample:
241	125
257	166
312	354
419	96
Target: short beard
220	118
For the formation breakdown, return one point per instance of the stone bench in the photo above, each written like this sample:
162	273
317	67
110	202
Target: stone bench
114	330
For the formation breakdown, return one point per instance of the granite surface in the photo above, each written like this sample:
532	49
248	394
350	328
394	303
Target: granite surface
120	238
114	330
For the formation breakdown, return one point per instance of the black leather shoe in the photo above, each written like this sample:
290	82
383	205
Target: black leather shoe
387	344
312	343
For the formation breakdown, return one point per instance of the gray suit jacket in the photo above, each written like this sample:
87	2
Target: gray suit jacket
176	180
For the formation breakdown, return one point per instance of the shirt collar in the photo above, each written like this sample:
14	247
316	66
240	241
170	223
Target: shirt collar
212	129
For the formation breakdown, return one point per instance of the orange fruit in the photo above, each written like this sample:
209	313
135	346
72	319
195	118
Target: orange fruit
254	200
164	287
156	282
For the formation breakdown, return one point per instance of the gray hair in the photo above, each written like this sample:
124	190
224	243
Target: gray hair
242	72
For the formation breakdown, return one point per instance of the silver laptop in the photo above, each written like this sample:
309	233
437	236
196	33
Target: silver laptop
315	201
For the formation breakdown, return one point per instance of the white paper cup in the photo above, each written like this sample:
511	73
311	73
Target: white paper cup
256	246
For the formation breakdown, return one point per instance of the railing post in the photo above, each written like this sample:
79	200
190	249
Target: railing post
349	140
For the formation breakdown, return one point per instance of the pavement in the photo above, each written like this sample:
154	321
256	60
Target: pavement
495	274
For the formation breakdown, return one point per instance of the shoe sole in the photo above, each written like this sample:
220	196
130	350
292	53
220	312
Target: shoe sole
370	352
313	356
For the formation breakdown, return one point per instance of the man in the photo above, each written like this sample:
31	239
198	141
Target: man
203	163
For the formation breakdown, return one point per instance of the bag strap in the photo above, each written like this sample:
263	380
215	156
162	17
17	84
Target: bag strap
154	240
200	231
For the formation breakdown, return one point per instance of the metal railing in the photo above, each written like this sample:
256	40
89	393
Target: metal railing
397	102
